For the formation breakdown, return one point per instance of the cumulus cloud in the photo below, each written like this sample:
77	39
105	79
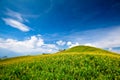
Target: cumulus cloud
61	43
110	49
102	38
71	44
35	44
15	20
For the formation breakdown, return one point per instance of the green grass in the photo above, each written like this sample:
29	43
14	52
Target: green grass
78	63
87	49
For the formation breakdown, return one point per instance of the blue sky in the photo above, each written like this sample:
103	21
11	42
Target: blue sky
41	26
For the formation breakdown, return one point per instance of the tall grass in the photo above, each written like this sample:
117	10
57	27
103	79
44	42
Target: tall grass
63	66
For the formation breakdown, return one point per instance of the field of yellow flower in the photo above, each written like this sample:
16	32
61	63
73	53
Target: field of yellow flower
73	64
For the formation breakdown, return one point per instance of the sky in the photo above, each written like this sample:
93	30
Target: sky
30	27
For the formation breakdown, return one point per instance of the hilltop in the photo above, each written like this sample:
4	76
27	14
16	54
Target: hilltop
85	49
80	62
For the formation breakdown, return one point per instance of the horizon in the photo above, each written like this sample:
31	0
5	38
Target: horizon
30	27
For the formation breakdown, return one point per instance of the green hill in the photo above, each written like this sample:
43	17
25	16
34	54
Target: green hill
86	49
77	63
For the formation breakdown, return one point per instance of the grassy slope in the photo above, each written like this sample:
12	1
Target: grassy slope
88	49
81	62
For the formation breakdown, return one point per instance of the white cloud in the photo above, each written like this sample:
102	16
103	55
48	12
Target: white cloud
16	24
35	44
75	44
15	20
112	39
110	49
15	15
70	44
61	43
102	38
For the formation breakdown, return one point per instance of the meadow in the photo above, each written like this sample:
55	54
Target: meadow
77	63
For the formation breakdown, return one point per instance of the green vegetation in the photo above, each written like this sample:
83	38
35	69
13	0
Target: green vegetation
77	63
87	49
